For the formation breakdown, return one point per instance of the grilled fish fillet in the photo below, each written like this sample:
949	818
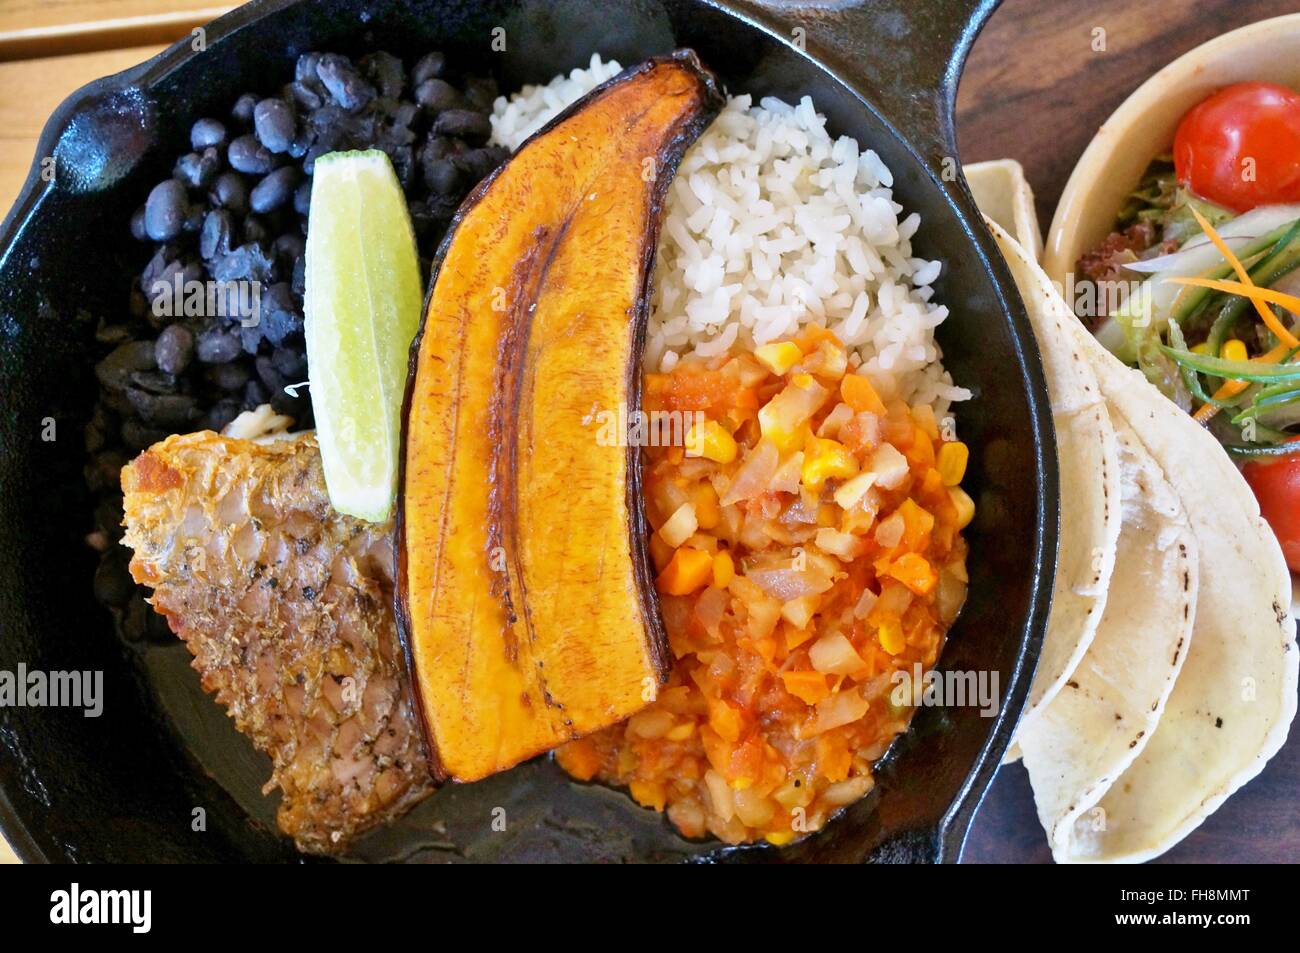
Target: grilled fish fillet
286	607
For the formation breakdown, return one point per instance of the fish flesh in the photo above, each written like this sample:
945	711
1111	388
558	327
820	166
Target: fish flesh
287	608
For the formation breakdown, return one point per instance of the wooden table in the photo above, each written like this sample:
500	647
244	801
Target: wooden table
1035	90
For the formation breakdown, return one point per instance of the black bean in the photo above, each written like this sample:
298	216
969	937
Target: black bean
343	82
305	67
255	231
480	93
174	349
162	410
266	370
98	429
207	133
430	66
442	176
217	346
289	247
463	124
155	382
255	394
404	114
290	362
221	413
248	262
217	235
403	159
165	210
246	154
280	316
115	370
137	435
304	95
275	124
197	170
477	164
230	191
138	230
109	333
231	376
104	472
302	198
385	71
437	95
299	280
242	112
274	190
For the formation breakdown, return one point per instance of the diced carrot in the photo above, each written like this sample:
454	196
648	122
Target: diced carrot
915	572
689	570
811	336
726	719
808	687
857	392
648	794
796	637
921	453
579	758
917	524
833	756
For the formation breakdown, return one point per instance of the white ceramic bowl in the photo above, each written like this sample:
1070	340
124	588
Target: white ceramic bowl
1144	126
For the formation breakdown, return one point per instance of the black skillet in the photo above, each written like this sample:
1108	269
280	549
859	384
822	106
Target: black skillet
125	786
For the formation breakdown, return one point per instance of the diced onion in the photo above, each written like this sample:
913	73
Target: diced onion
680	527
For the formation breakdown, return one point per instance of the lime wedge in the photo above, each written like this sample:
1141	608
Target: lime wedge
362	308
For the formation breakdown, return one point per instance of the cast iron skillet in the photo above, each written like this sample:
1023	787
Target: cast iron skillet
126	786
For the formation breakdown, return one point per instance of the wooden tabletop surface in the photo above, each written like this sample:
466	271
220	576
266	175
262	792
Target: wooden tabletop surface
1035	89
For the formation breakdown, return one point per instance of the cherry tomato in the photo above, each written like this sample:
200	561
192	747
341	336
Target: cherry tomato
1241	147
1277	487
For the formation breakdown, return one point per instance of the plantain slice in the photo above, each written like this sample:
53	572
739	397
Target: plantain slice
526	597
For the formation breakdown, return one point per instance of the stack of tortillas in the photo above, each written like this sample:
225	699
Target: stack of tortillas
1168	672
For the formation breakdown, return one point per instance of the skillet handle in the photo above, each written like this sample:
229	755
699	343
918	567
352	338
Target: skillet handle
906	56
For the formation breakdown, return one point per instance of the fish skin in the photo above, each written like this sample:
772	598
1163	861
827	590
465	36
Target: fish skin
282	600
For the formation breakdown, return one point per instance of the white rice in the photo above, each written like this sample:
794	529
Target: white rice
770	225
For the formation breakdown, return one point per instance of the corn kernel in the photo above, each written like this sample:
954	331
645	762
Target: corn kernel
826	459
779	358
680	732
890	635
952	462
1234	350
1203	348
778	838
707	511
724	569
965	506
711	442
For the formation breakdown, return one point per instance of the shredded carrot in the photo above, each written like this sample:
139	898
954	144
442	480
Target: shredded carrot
1258	295
1265	313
